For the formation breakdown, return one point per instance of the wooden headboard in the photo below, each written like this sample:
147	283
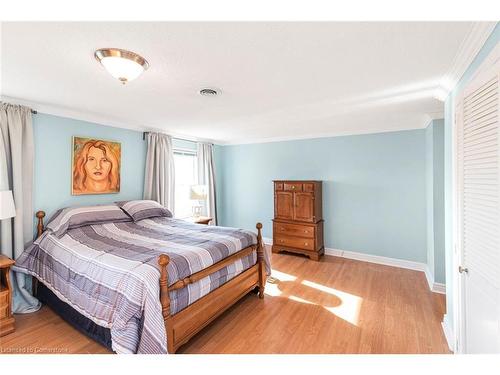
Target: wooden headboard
39	227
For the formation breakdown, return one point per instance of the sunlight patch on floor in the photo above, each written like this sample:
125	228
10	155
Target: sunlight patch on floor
326	289
272	290
272	286
282	276
350	307
348	310
301	300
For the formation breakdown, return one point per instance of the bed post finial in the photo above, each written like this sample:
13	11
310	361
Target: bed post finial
163	261
260	259
39	228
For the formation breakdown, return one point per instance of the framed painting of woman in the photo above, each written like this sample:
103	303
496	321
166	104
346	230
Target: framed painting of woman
95	166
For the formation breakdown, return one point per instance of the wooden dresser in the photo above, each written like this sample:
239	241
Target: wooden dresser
6	318
298	220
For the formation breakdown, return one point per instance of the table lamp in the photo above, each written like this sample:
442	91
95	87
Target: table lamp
198	193
7	208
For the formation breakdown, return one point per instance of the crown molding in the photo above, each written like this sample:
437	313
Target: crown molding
431	116
95	118
99	119
71	113
340	133
468	50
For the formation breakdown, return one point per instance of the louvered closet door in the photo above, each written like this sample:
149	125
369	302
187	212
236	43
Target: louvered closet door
479	212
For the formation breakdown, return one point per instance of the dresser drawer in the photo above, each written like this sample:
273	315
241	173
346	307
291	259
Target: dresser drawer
4	298
292	186
309	187
4	311
299	243
278	186
293	230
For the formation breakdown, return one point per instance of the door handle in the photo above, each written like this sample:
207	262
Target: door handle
463	269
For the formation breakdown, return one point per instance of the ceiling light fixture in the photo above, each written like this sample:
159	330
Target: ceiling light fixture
122	64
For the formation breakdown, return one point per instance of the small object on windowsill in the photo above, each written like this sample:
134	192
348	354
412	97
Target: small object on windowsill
197	211
7	323
198	193
199	219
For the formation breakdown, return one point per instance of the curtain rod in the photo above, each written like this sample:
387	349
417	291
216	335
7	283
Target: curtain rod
181	139
34	112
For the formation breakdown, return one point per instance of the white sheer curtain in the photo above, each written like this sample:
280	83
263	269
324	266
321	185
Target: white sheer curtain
159	178
206	176
16	174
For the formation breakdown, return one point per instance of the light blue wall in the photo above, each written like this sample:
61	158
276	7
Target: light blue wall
429	192
448	120
434	159
438	200
53	144
374	198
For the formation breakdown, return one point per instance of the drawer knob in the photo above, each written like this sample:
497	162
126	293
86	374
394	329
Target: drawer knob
293	187
306	244
282	228
282	241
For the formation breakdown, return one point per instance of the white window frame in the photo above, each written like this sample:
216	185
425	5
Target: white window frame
190	152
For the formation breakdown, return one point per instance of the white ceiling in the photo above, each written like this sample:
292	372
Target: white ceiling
278	80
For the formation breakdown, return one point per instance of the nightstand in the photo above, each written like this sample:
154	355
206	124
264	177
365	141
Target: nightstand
6	318
199	220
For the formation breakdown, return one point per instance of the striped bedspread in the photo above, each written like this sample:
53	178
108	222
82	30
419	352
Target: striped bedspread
109	273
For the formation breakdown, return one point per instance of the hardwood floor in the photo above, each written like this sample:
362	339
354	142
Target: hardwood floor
333	306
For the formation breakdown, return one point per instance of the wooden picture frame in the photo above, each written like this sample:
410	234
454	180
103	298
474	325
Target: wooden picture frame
95	166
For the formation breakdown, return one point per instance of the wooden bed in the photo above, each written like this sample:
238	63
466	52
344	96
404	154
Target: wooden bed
186	323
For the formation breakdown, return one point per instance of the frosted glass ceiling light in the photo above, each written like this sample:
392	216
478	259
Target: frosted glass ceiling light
124	65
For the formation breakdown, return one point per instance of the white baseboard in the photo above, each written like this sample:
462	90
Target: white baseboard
434	286
439	288
448	333
393	262
429	277
386	261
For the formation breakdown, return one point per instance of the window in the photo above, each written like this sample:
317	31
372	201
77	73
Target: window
186	174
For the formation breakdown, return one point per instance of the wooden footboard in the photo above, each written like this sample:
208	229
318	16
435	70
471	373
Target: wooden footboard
186	323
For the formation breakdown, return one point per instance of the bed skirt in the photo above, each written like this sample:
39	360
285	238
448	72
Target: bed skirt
86	326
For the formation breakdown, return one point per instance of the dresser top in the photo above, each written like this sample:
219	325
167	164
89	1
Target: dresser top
299	181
